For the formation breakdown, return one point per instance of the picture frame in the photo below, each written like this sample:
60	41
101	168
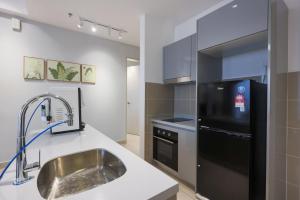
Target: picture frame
63	71
33	68
88	74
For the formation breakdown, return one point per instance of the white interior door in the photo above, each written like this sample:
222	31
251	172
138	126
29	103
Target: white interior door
132	100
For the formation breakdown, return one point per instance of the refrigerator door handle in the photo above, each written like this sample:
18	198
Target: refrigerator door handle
164	140
235	134
205	127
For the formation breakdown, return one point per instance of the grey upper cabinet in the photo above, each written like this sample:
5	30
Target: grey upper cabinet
170	65
179	60
238	19
194	58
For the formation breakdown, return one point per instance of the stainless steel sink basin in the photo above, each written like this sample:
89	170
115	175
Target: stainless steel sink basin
78	172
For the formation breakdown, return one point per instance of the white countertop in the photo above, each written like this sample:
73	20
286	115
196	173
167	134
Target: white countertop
140	182
187	125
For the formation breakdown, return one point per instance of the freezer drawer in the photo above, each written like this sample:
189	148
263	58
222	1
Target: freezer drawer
224	168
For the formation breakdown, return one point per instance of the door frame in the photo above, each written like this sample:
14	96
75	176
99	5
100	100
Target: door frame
132	60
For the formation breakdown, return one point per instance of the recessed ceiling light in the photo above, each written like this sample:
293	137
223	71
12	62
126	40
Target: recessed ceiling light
80	25
109	31
235	6
94	29
120	36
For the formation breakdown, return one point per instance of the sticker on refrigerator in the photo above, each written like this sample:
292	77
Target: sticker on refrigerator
239	101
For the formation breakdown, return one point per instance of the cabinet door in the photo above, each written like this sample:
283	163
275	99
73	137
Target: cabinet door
194	58
238	19
183	57
169	55
187	156
177	59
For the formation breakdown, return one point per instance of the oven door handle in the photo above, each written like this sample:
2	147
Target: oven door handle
170	142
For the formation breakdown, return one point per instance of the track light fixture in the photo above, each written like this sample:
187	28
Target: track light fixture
120	36
109	31
94	29
80	25
95	25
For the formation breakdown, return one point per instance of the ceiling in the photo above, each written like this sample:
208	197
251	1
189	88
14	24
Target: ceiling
123	14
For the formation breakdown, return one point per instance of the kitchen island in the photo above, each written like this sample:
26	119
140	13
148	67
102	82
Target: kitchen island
141	180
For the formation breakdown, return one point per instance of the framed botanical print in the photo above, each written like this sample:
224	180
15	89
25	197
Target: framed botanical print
63	71
33	68
88	74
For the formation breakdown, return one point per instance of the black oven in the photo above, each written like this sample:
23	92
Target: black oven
165	147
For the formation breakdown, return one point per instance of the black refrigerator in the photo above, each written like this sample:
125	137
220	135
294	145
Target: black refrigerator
231	140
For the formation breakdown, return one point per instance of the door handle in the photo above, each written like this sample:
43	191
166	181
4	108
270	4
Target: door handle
170	142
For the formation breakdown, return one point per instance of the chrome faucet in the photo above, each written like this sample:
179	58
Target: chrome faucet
22	168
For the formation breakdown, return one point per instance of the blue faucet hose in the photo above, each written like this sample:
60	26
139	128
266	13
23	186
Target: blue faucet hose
26	145
33	115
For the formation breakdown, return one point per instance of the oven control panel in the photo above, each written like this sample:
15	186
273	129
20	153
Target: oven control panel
159	132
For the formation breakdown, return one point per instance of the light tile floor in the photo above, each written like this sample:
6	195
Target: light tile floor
185	192
132	143
2	165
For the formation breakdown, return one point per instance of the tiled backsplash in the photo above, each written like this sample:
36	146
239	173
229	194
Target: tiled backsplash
185	100
159	103
293	137
166	101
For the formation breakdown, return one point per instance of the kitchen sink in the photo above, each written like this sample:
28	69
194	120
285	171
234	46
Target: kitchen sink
78	172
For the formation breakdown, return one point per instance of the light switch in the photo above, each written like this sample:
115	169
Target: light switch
16	24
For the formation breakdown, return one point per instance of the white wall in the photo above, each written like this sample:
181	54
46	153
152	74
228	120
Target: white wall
142	98
158	33
105	102
155	33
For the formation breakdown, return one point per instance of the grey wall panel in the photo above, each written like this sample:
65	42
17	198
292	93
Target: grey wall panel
209	68
246	64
